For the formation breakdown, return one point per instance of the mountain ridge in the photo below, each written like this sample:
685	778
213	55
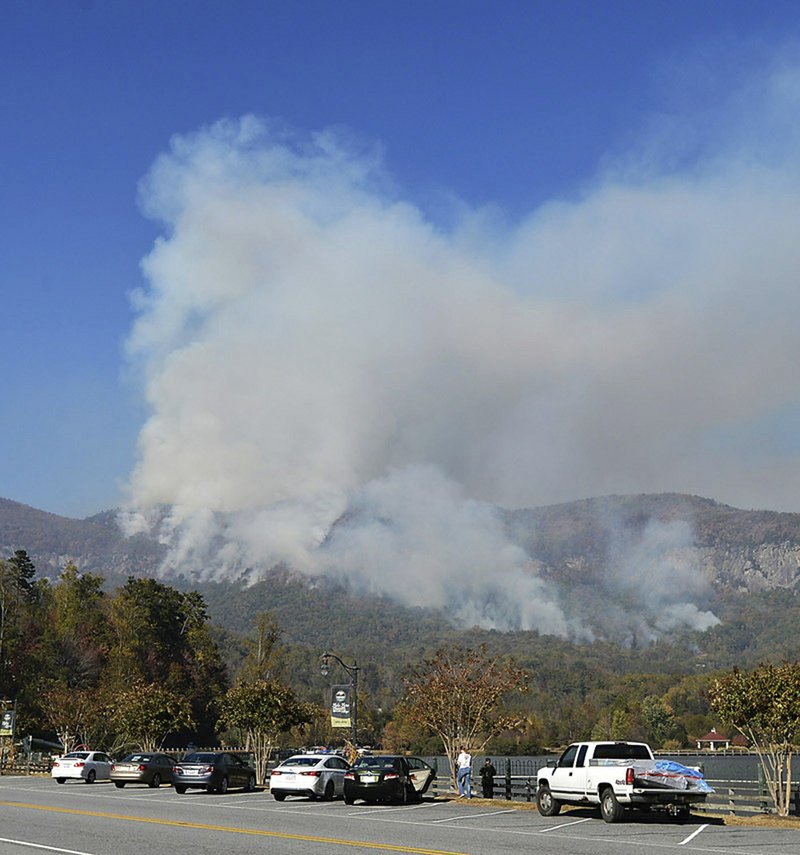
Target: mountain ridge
614	565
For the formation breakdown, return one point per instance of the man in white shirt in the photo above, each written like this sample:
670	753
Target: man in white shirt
464	774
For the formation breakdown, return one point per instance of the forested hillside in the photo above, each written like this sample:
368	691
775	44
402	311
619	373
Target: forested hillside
609	687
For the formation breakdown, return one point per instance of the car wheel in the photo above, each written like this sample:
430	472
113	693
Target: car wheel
61	780
548	806
610	809
180	789
91	776
223	786
251	784
156	780
279	797
329	791
119	784
348	800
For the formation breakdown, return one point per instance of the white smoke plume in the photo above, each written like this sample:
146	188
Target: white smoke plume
657	577
314	349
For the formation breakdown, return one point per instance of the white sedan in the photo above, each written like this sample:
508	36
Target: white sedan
312	775
89	766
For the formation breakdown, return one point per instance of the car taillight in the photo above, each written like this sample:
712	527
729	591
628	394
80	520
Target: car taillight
629	777
176	770
312	774
113	766
142	768
349	776
208	770
390	776
55	762
275	772
80	763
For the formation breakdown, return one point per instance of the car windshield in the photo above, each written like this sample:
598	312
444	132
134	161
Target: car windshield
301	761
76	755
376	763
199	758
138	758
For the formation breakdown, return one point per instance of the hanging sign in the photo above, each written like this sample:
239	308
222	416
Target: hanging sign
340	706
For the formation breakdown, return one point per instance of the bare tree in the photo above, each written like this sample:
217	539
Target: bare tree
459	695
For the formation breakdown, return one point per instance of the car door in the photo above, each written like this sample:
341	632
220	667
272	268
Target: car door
335	768
102	765
163	765
563	783
421	774
236	770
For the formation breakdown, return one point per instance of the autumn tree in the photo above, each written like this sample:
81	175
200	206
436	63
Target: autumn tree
262	710
79	626
265	653
73	713
764	706
658	720
145	714
459	695
161	635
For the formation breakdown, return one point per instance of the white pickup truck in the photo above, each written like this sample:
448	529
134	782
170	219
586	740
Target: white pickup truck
615	776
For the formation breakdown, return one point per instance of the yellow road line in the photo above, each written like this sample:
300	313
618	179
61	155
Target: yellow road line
256	832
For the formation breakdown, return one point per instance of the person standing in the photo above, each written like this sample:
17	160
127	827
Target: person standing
464	774
487	778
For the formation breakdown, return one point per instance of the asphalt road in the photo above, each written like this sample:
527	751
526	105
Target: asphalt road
37	815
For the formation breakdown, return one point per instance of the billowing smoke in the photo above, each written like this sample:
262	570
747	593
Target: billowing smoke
340	385
655	583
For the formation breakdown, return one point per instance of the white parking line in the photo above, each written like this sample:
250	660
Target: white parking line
566	825
471	816
392	809
41	846
693	834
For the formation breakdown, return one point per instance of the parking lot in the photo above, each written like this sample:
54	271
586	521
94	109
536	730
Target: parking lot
77	819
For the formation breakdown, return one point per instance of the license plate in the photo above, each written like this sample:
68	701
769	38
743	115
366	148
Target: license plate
369	779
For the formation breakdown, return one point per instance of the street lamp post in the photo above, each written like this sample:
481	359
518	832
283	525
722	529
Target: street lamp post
352	671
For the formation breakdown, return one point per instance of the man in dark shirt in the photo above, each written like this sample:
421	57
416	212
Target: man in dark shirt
487	778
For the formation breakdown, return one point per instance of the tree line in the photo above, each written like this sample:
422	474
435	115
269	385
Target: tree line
143	667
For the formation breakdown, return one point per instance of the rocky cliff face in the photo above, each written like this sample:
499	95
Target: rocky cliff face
752	569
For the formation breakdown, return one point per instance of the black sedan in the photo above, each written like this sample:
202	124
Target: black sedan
388	777
214	771
144	767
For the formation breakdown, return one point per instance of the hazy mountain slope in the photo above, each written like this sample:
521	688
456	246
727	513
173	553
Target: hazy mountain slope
95	544
739	550
615	564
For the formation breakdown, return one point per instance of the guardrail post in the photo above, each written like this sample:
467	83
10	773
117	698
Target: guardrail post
528	790
508	779
731	803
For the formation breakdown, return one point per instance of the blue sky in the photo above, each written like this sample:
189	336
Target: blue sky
480	111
